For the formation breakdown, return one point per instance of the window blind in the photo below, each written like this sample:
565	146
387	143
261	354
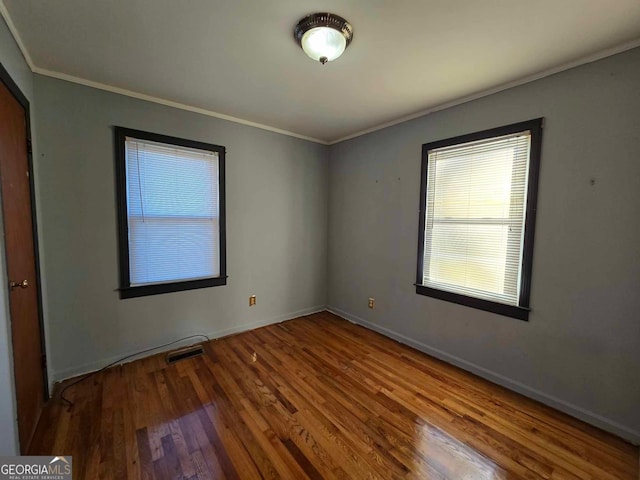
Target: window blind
173	212
475	216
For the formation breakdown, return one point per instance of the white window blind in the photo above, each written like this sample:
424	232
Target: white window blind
173	212
475	216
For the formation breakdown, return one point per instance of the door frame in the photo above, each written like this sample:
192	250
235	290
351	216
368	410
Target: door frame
8	82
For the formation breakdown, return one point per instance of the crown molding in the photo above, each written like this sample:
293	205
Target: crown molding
190	108
141	96
505	86
171	103
16	35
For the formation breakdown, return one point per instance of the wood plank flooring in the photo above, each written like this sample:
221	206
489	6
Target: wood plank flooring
317	397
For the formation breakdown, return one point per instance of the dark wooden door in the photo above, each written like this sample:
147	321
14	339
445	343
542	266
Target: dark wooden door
28	357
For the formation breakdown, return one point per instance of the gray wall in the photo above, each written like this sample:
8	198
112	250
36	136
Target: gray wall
580	351
12	60
277	217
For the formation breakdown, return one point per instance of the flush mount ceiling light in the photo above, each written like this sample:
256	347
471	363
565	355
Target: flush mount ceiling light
323	36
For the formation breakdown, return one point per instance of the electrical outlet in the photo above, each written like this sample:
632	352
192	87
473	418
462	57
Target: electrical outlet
252	300
372	302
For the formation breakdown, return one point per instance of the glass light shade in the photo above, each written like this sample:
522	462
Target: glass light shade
323	42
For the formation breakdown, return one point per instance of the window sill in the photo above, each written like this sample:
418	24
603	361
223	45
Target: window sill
145	290
513	311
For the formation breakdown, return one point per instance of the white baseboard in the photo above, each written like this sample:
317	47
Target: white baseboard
61	375
592	418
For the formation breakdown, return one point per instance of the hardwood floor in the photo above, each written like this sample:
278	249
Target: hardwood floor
317	397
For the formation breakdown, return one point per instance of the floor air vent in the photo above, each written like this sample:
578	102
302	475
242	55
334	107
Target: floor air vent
182	353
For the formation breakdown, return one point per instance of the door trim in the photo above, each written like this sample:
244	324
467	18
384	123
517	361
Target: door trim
8	82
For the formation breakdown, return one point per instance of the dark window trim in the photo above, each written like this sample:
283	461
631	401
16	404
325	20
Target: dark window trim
521	311
6	79
126	290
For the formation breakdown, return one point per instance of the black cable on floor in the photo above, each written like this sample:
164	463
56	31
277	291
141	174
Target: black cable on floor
89	375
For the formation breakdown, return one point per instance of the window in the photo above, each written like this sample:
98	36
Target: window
171	213
477	218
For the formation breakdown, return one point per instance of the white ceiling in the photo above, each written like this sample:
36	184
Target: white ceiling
239	58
